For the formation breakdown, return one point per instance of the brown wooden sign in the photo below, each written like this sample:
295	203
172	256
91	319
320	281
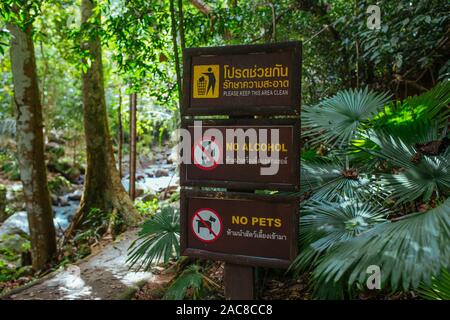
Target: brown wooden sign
242	80
249	229
242	154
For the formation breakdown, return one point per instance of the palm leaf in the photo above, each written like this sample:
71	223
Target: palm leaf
415	180
439	288
326	181
409	252
336	120
191	278
158	240
325	224
432	104
401	117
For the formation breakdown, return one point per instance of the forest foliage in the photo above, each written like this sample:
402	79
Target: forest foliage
375	154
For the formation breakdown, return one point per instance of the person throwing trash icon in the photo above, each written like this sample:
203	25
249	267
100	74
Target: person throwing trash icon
211	80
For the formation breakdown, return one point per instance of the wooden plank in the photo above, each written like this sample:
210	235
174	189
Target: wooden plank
270	241
239	282
246	175
242	80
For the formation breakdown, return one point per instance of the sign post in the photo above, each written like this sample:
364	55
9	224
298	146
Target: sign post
241	154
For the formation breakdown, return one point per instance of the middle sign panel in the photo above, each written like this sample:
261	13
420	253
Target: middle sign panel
241	153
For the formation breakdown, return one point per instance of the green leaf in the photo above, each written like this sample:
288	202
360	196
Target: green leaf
408	252
191	278
158	240
336	120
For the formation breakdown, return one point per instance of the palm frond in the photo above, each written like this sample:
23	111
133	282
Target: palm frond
336	120
327	181
415	179
433	103
159	240
191	278
409	252
325	224
439	288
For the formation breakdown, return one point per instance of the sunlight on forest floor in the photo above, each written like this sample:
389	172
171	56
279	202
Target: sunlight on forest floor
102	276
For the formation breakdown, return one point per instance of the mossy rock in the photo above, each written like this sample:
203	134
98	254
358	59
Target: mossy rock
73	174
54	149
15	243
59	185
11	170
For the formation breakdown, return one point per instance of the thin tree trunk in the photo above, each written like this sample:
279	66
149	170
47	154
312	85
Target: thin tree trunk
44	75
120	129
30	147
132	165
181	19
175	49
3	215
102	187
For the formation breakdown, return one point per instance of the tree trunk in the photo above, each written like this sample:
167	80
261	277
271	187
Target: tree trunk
132	164
3	215
103	189
175	49
120	129
30	147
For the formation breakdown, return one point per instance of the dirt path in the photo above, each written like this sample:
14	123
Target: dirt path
101	277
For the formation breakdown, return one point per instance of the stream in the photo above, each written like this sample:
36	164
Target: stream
151	180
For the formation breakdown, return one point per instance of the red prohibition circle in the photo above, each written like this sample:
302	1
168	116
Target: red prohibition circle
199	144
193	229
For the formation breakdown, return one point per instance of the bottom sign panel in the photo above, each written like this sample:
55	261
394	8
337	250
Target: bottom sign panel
259	230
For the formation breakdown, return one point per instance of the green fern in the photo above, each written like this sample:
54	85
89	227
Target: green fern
159	240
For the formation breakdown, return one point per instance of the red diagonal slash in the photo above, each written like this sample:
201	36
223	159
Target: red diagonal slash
208	155
205	224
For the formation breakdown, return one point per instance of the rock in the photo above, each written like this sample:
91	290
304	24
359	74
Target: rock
17	242
63	202
55	149
139	192
7	264
18	220
173	156
15	196
148	197
73	174
75	196
150	174
59	185
161	173
55	199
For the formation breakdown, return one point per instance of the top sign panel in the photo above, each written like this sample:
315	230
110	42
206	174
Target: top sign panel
242	80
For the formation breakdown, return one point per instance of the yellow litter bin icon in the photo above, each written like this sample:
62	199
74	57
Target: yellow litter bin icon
206	81
201	86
